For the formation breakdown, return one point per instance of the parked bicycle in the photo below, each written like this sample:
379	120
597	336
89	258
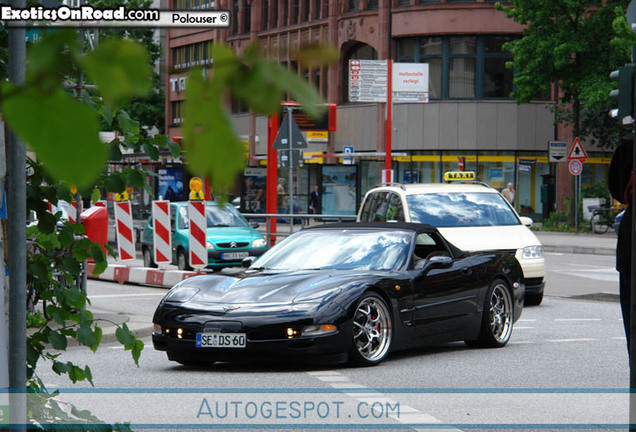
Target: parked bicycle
603	218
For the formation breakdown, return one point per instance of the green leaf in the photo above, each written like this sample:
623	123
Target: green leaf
57	340
85	336
89	375
136	178
127	124
59	367
315	55
212	146
63	133
98	338
175	148
96	195
136	350
120	68
125	336
100	267
151	151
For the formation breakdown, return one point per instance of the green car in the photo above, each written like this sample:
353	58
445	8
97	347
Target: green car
230	238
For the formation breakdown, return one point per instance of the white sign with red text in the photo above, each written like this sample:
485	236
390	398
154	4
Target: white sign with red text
410	82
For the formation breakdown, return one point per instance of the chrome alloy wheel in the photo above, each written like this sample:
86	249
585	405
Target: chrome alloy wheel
372	329
501	313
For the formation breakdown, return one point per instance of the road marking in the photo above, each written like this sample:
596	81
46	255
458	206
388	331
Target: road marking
527	320
553	253
576	319
407	414
520	342
572	340
607	274
620	338
125	295
523	328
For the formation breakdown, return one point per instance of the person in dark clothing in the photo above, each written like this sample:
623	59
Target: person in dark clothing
313	200
621	178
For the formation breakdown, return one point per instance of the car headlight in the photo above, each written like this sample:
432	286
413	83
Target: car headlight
532	252
181	294
210	245
259	243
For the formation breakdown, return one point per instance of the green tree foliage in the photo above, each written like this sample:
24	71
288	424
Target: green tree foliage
573	43
63	132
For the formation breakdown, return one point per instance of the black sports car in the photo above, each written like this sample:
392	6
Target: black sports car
347	291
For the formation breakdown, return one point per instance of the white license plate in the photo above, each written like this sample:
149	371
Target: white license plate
234	255
221	340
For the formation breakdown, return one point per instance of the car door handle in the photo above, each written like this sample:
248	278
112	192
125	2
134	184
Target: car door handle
466	271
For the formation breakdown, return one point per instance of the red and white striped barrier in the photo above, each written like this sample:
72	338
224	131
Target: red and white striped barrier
161	238
198	236
124	226
72	212
140	275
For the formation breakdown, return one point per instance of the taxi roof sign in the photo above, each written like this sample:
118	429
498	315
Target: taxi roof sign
459	176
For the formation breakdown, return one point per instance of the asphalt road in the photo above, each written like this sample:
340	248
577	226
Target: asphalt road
565	367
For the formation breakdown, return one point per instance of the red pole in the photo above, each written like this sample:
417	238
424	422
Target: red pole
208	190
389	119
272	176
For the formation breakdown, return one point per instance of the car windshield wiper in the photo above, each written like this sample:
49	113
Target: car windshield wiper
219	225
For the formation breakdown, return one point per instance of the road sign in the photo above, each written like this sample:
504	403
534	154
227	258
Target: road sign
347	150
284	158
577	152
575	166
368	80
161	237
557	151
297	138
410	82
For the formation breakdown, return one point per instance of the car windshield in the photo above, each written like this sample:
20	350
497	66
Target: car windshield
465	209
340	249
216	216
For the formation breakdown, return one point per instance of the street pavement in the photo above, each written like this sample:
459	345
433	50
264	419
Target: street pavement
133	272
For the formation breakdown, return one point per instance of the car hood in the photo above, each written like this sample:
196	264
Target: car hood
490	238
270	288
223	234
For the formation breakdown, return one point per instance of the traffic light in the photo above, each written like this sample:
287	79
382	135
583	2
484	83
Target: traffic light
624	94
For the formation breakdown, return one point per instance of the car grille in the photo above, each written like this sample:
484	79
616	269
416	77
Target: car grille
233	245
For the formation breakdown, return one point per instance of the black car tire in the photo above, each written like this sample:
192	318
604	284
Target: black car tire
533	299
497	317
371	331
182	260
148	262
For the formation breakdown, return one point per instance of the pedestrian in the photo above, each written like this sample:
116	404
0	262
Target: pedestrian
313	200
620	181
509	193
280	190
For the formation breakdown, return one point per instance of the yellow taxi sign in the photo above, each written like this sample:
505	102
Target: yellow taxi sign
459	176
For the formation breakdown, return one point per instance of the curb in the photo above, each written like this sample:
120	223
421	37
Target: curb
141	275
580	250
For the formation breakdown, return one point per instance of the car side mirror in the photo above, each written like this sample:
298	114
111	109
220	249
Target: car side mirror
439	261
255	225
526	221
248	261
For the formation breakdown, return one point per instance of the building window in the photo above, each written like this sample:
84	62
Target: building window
285	5
247	17
265	15
317	9
177	112
305	13
354	5
373	4
295	11
275	13
235	15
195	54
462	67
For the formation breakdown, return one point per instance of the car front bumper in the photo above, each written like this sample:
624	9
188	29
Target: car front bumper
223	258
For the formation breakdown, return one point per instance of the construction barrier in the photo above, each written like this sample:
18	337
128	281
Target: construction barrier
198	234
124	226
161	237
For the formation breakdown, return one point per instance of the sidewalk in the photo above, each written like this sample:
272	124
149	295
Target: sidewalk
582	243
